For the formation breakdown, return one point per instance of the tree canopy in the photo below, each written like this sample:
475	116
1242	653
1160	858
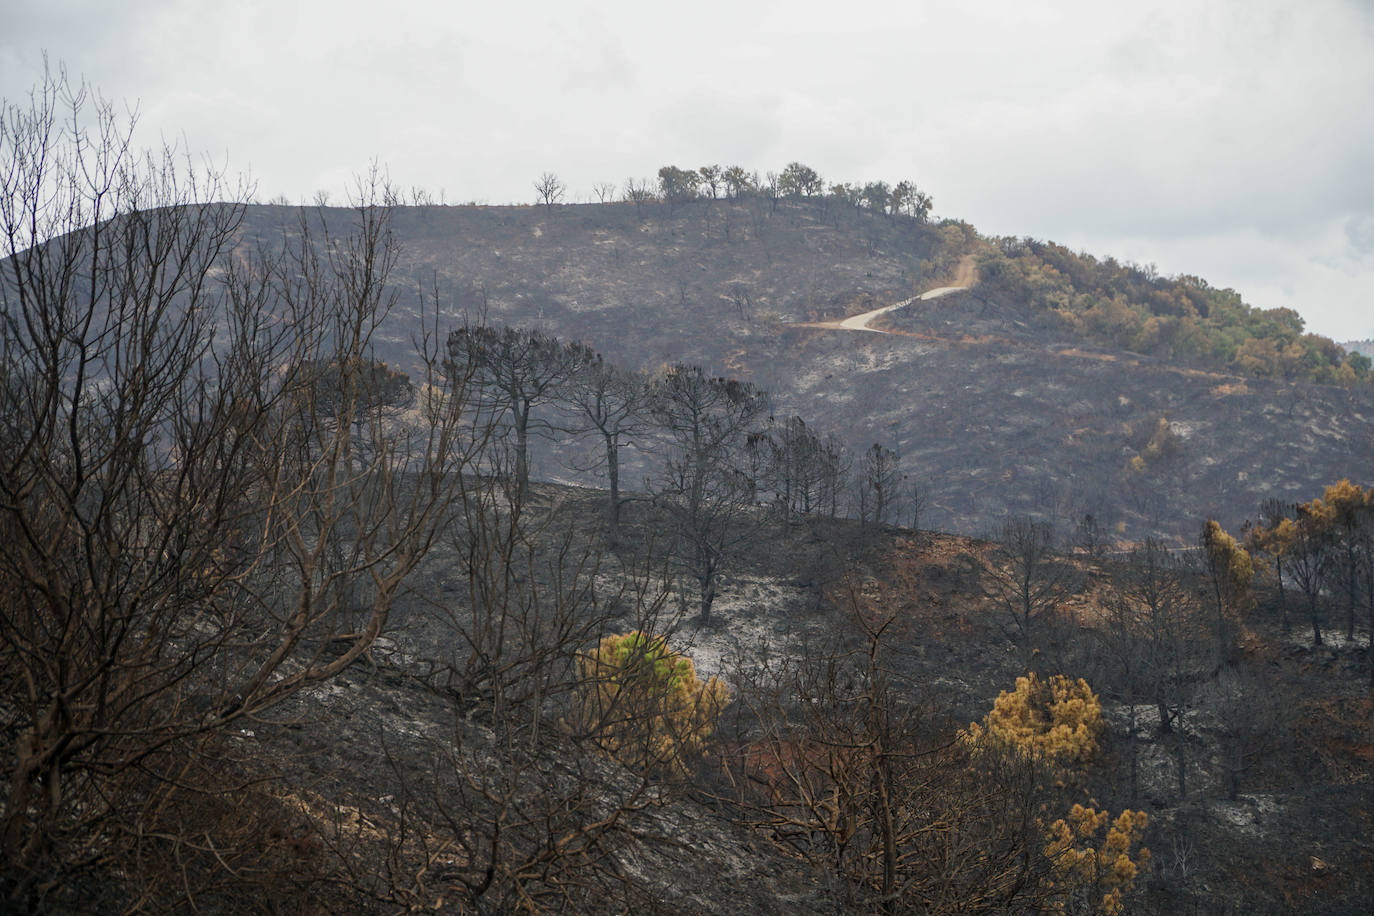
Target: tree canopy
1177	318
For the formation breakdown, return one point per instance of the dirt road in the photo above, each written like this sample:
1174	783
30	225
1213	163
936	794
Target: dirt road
965	274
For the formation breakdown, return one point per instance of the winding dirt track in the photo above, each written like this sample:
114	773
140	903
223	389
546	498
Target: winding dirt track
966	276
860	322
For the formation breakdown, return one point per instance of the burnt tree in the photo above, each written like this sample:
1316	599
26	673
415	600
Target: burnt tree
702	486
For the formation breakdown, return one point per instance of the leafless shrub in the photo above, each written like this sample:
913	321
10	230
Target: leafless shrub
845	767
189	536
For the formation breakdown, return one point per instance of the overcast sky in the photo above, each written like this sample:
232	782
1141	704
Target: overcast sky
1231	140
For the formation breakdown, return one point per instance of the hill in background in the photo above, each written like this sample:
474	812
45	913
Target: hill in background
1018	395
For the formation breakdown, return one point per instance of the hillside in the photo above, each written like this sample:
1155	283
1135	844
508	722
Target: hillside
284	630
993	400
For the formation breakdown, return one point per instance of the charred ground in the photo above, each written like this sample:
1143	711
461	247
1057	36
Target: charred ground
371	776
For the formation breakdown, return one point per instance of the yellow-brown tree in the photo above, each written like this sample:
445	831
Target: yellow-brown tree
644	703
1060	719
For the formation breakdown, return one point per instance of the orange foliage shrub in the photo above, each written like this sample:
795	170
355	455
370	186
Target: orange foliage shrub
1093	876
1060	719
1233	572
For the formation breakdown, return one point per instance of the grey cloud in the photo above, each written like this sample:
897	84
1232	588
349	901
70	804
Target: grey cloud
1231	128
1359	235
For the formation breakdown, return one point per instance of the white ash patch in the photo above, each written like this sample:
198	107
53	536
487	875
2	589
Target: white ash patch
816	378
957	683
580	306
1118	717
1182	428
829	373
1248	814
749	615
873	359
386	650
1159	771
411	728
1333	638
323	693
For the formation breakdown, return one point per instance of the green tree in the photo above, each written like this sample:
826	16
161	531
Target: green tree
798	180
877	195
738	182
846	193
713	179
677	185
